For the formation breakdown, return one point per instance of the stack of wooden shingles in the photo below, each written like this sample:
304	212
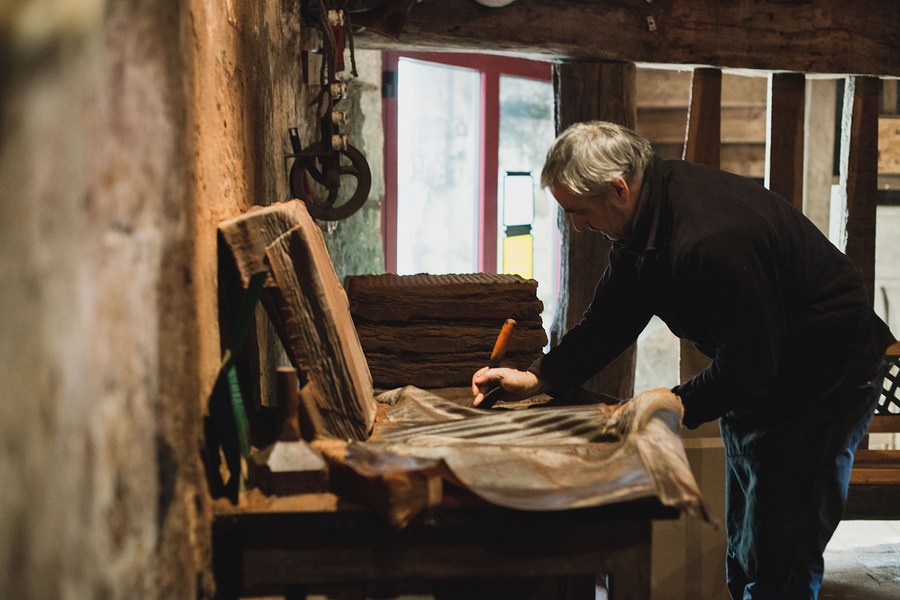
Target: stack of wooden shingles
435	331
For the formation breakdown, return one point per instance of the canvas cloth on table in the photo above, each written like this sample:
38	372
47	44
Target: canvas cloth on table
546	458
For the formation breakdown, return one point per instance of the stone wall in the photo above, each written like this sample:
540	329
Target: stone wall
128	130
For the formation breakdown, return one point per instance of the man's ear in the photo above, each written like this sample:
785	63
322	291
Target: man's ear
620	187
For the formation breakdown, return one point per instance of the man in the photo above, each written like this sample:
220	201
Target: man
797	352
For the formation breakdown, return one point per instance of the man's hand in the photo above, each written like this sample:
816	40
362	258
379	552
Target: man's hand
517	384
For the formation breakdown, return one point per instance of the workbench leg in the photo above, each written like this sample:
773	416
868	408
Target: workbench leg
295	592
630	577
577	587
227	550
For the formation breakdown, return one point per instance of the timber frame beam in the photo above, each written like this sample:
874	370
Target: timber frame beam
821	36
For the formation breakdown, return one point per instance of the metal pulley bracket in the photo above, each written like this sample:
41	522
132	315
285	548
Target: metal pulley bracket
331	160
328	167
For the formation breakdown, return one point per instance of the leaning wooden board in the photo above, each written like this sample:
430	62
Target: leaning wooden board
310	309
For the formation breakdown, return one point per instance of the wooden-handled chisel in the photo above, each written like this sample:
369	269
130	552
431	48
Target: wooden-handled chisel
499	351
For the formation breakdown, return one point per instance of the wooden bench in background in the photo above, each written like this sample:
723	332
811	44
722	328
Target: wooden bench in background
875	480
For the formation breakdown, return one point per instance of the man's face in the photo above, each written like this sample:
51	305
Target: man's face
611	217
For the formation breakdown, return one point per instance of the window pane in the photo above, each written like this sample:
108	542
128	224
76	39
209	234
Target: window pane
526	132
437	168
518	199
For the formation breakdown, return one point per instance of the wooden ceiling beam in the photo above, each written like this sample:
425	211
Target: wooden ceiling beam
825	36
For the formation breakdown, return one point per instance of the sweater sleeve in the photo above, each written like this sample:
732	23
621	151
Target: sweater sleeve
612	322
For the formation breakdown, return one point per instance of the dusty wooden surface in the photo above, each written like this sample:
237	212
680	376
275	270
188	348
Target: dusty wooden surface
826	36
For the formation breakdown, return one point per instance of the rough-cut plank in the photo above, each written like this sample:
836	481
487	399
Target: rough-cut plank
462	298
859	175
309	310
448	338
586	92
318	334
437	330
250	234
826	36
784	136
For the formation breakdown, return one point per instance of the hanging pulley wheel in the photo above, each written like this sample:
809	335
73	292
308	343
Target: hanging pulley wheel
329	168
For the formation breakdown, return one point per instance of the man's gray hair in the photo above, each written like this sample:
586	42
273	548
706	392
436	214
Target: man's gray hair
587	156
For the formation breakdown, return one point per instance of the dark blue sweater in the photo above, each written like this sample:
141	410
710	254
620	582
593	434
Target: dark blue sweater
744	276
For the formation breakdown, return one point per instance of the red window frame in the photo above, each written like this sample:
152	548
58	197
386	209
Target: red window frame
491	67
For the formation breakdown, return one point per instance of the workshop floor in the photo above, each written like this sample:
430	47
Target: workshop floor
862	562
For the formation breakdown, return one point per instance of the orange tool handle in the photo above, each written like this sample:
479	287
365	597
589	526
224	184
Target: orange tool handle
502	343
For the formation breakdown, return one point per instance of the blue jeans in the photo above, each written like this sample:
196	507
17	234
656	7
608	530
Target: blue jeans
785	489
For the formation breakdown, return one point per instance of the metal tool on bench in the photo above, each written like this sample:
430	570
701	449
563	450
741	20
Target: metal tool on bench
497	392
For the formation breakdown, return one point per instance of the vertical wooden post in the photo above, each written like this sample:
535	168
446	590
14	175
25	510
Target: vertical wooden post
587	92
855	225
819	150
784	136
702	142
702	145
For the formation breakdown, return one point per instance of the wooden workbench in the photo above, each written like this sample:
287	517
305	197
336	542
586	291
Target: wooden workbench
409	447
292	544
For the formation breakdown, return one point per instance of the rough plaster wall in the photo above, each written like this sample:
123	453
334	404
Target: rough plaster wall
355	244
238	90
90	168
247	93
128	130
